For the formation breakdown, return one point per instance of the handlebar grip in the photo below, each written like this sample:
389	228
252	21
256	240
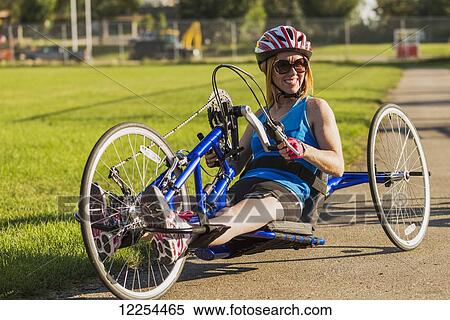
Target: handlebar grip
278	137
237	111
275	131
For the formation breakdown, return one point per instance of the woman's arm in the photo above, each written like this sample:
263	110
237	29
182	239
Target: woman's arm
328	158
245	155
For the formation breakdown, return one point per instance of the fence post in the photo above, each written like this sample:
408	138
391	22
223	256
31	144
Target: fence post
234	52
88	20
11	43
74	25
134	28
176	44
20	34
121	46
347	39
105	31
64	38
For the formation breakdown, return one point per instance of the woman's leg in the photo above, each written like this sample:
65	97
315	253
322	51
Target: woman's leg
246	216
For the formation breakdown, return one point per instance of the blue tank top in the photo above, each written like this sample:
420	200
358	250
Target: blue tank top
296	125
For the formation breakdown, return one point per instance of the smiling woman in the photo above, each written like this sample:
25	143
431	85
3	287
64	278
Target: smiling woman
282	54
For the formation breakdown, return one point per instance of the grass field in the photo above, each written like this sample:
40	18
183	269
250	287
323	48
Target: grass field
52	116
381	51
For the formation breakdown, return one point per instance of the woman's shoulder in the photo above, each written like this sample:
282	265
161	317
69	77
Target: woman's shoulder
315	102
318	108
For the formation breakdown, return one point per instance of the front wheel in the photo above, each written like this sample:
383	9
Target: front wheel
126	159
398	177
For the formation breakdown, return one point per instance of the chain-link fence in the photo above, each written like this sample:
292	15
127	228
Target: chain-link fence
122	40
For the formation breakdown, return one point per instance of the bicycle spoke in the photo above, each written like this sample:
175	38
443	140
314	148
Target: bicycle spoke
139	281
386	151
415	196
124	170
401	152
135	161
160	271
404	163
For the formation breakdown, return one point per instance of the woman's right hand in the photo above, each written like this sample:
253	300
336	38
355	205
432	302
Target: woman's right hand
211	159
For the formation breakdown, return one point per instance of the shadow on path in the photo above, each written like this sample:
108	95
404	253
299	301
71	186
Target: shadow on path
195	271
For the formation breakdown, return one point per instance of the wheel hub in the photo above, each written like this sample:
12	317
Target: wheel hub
407	175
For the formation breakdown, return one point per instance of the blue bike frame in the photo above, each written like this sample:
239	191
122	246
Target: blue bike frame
210	203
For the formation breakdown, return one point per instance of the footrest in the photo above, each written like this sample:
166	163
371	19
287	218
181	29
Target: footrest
213	231
291	227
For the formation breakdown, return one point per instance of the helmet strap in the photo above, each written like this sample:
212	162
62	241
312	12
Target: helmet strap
286	95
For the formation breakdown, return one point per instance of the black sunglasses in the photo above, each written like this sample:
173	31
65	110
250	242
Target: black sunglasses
284	66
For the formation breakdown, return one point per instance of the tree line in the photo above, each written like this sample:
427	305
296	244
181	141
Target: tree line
40	11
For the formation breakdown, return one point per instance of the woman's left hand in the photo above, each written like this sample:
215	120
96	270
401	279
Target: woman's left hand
287	153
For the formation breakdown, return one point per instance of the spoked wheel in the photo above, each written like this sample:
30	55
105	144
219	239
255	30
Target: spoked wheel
125	160
398	177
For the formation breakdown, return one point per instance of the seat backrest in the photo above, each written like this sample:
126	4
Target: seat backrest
310	212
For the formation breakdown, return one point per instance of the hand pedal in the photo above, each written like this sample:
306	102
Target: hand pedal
291	227
213	231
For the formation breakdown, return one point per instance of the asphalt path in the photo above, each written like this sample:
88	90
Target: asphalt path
358	260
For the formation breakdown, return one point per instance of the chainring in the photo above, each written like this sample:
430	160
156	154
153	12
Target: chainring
217	116
216	113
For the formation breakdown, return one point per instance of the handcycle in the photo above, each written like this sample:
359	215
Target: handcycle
130	157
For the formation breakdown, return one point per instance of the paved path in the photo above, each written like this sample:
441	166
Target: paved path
358	262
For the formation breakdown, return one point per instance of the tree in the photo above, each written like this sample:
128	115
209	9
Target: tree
389	8
149	22
212	9
29	10
40	11
434	8
282	9
328	8
254	21
162	21
112	8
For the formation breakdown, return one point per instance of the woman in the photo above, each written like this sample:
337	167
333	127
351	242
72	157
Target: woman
265	192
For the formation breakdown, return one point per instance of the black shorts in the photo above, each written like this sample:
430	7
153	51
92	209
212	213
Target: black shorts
251	188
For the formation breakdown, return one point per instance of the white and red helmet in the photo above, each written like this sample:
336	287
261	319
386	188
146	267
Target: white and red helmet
279	39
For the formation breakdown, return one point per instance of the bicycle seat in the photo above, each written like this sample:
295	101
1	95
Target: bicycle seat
291	227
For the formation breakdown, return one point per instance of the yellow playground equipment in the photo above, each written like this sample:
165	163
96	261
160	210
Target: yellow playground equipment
192	39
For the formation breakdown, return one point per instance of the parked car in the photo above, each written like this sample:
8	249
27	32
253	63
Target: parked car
153	46
51	53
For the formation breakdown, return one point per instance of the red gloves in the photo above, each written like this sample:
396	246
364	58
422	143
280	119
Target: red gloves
287	153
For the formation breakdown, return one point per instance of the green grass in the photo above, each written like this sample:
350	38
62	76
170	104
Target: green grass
382	51
51	117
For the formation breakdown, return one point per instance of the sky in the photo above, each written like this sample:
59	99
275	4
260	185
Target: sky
366	9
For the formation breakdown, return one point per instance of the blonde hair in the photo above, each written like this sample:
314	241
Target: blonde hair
272	90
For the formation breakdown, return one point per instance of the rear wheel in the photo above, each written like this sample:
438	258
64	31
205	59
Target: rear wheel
398	177
125	160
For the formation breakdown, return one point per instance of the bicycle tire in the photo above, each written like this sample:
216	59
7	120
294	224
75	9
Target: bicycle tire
155	285
402	202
